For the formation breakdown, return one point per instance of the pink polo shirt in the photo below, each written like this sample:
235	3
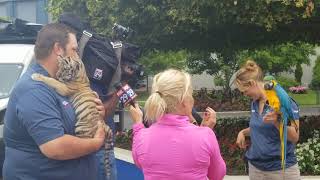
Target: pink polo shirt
174	149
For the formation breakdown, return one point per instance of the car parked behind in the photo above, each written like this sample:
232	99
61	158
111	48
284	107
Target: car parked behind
16	55
14	60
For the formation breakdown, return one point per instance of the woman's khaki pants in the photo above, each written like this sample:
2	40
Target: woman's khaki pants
291	173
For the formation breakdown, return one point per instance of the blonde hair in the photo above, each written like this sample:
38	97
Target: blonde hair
169	89
249	72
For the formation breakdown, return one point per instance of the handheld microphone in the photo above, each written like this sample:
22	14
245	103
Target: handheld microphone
125	93
127	96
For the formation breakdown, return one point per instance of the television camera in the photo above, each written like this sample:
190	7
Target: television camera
108	61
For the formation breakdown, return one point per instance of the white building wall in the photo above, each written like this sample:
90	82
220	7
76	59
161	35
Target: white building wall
26	10
308	69
202	81
3	10
198	81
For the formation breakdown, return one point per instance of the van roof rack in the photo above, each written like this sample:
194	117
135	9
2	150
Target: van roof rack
18	31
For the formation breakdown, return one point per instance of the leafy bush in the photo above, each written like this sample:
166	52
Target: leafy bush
307	125
226	131
219	81
286	82
298	90
308	155
315	83
124	139
221	100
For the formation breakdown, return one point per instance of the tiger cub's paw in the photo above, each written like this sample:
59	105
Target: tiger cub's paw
36	77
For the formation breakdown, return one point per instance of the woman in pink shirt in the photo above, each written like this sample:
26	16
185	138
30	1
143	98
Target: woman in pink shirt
173	148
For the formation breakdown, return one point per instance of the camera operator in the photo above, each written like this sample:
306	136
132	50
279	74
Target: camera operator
109	98
110	102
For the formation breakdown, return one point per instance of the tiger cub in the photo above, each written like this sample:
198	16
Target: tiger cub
72	81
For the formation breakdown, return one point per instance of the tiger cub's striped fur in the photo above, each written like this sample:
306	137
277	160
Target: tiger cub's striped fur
72	81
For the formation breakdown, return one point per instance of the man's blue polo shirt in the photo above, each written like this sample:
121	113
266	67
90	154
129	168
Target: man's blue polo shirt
264	152
35	115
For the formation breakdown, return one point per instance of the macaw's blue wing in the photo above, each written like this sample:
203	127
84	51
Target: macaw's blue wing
285	109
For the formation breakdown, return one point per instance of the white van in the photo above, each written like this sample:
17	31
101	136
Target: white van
14	60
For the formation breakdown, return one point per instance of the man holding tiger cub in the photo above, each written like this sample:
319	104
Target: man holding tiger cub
39	123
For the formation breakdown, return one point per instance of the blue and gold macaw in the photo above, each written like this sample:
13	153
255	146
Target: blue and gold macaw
280	101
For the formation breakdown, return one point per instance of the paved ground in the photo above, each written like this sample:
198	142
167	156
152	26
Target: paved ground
310	111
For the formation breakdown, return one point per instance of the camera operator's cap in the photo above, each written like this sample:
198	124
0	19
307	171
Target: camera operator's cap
72	20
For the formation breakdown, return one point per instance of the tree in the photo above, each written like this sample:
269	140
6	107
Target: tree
315	83
217	64
298	73
204	27
157	61
201	25
276	58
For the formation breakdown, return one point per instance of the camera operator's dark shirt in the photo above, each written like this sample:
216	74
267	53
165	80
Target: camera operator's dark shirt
102	92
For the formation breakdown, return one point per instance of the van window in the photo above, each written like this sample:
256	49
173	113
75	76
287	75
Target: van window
9	74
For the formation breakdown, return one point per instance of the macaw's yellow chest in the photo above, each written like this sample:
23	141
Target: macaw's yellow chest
273	99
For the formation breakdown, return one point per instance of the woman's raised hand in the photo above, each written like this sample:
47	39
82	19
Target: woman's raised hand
209	118
135	113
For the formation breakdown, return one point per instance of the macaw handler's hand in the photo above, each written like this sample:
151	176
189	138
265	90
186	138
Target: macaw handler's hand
241	140
272	118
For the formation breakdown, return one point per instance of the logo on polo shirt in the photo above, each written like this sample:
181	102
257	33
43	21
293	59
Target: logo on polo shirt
65	103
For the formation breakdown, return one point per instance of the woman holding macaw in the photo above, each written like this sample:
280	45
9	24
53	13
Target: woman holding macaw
273	127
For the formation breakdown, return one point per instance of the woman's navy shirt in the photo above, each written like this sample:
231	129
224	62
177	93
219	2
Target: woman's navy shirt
265	150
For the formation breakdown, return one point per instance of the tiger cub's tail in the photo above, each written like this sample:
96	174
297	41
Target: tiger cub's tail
108	148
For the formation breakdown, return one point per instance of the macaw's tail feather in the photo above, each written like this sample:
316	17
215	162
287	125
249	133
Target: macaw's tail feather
283	130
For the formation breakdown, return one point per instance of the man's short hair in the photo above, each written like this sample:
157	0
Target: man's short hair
48	36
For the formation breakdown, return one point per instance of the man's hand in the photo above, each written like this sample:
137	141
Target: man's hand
136	113
71	147
100	135
209	118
